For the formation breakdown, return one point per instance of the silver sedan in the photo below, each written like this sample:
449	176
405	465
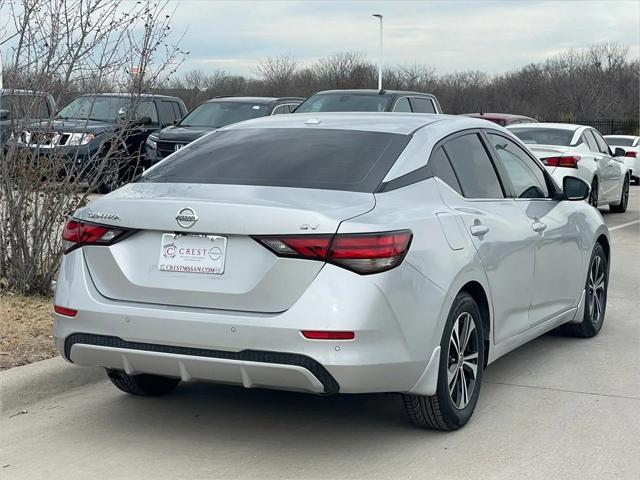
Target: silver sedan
333	253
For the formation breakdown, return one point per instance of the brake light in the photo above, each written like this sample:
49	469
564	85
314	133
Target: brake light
363	253
570	161
77	233
631	153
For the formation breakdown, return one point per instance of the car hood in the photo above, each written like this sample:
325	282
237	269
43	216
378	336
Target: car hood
72	126
186	134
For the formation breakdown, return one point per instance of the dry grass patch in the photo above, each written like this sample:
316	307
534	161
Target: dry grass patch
25	330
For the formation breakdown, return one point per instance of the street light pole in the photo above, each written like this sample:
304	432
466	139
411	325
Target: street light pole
379	16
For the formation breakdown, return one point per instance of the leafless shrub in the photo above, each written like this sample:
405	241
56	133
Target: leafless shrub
87	46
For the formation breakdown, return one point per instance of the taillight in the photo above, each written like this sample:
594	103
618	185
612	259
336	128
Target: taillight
363	253
631	153
77	233
570	161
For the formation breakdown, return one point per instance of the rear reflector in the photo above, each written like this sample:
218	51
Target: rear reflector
325	335
363	253
631	153
67	312
77	233
567	162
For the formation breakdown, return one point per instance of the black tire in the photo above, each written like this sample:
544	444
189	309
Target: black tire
144	384
590	326
621	207
439	411
593	196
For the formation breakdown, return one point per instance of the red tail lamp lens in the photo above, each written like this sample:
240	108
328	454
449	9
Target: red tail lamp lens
67	312
567	162
363	253
326	335
77	233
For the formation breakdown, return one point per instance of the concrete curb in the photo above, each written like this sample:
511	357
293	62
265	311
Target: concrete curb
21	386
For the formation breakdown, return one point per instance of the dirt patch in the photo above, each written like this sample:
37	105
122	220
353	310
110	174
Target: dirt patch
25	330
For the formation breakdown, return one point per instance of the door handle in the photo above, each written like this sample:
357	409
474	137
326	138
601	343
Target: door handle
478	230
538	226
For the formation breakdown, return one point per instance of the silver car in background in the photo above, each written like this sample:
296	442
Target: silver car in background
332	253
580	151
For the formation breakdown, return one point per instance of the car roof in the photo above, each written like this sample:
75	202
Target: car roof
630	137
260	100
370	91
126	95
500	116
387	122
560	126
15	91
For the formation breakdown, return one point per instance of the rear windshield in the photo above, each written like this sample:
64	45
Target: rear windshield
282	157
544	136
619	142
220	114
341	102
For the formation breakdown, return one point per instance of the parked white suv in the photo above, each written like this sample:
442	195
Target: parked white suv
579	151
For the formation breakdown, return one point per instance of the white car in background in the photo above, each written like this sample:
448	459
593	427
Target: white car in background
631	146
579	151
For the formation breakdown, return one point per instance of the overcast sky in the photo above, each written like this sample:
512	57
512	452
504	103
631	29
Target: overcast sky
493	36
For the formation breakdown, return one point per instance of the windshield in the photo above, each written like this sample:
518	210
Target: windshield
619	141
103	109
325	158
220	114
341	102
544	136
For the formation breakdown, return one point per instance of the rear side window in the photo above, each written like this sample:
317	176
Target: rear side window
284	157
473	167
422	105
441	168
280	110
602	145
402	105
591	142
167	113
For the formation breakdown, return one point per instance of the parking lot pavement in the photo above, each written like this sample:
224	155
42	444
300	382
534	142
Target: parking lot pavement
555	408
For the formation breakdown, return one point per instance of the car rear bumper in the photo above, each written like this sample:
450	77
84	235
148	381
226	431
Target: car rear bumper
396	333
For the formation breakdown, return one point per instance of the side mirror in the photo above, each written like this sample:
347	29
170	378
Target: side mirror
575	189
619	152
5	114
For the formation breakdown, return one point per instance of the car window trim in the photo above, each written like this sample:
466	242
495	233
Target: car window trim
283	105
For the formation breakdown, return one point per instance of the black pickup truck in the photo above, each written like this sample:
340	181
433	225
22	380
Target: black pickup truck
92	126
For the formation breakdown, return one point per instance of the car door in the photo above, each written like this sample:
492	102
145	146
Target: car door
498	228
558	254
613	171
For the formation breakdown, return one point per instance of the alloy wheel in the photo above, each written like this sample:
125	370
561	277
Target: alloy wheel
596	289
462	366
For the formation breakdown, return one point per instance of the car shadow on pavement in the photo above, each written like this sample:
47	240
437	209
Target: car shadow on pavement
258	417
